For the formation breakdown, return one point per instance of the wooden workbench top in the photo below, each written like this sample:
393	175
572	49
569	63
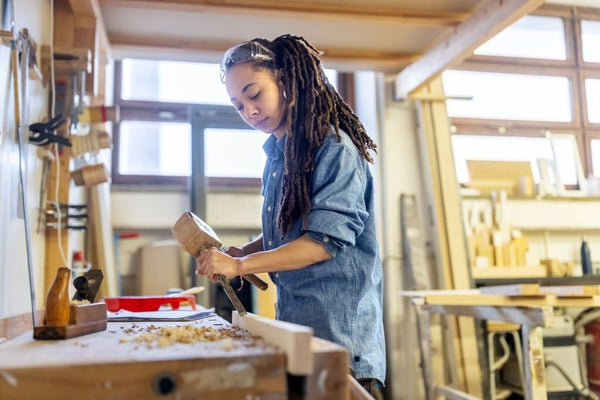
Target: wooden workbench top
119	344
113	364
124	362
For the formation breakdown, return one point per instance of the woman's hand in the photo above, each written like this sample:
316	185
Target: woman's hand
213	262
234	251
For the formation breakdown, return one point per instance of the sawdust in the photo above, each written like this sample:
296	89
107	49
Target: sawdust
154	336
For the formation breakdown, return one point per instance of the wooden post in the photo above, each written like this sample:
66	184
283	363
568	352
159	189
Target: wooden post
451	240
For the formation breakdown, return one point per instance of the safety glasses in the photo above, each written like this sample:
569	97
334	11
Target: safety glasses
243	52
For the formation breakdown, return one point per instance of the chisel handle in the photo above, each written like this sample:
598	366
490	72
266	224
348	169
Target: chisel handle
256	281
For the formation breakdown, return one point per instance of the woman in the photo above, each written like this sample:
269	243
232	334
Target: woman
318	239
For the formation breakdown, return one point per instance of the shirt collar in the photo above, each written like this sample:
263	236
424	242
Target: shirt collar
274	147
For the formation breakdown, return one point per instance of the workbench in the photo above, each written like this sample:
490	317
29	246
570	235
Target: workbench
512	304
115	364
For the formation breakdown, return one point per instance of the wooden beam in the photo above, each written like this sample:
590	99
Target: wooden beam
294	339
213	50
489	19
314	10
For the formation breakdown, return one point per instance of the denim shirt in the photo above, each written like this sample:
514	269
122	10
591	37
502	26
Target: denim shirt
340	298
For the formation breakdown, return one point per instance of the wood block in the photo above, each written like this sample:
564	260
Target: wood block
498	256
329	377
293	339
83	319
486	251
81	313
509	272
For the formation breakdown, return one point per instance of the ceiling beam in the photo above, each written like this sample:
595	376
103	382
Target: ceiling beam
344	59
486	21
316	10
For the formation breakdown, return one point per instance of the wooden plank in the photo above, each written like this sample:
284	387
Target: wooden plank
314	10
357	392
259	376
292	338
515	301
330	370
450	232
530	316
526	289
59	175
571	290
509	272
376	60
488	20
16	325
100	237
533	360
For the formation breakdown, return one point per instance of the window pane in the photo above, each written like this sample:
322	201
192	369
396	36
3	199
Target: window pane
592	93
508	96
178	82
530	37
172	81
235	153
513	148
154	148
590	38
596	156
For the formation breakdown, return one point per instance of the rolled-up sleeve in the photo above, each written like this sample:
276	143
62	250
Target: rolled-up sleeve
338	204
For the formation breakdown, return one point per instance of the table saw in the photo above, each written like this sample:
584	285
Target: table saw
124	362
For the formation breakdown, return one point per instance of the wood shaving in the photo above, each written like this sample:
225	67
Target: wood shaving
169	335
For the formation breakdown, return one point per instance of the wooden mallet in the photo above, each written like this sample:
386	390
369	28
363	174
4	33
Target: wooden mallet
195	236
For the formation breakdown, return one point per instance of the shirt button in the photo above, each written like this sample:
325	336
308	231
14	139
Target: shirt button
270	243
269	208
274	174
276	274
326	239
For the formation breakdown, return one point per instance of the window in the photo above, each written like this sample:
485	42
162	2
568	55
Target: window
537	36
592	95
526	81
508	96
515	148
153	139
590	41
596	156
241	145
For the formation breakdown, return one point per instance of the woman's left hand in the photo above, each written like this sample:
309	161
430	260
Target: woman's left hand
213	262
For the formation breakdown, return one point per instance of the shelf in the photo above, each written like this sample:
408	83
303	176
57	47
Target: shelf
543	281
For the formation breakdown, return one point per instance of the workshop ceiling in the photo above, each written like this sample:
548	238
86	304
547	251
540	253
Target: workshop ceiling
418	38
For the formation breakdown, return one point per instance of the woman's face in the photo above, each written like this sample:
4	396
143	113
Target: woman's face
257	94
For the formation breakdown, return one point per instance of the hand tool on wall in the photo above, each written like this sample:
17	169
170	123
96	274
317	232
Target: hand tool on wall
43	133
195	236
22	175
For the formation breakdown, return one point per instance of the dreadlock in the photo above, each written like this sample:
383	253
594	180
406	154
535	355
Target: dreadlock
313	107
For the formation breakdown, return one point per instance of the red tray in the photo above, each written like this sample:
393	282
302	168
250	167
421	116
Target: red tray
146	303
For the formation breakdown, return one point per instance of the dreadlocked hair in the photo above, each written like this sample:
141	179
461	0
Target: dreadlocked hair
313	107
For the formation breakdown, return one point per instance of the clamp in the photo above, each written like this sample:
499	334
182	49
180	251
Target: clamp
43	132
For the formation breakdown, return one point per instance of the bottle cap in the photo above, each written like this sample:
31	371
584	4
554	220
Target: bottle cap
78	256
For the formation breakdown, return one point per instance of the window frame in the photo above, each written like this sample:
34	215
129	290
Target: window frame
574	68
217	115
